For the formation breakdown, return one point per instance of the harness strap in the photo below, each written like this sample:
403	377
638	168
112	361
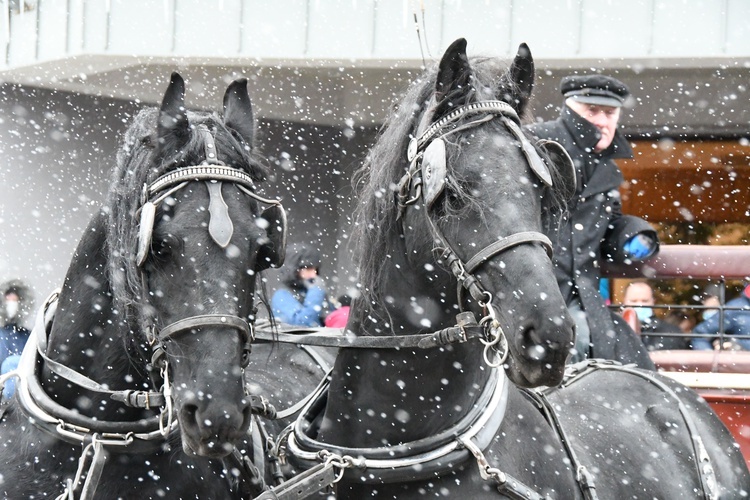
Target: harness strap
95	471
463	271
466	329
295	408
315	354
62	422
502	244
132	398
261	407
706	473
505	483
207	320
583	477
304	484
90	467
409	461
249	482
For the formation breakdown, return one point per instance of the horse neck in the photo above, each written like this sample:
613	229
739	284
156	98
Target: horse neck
87	334
429	389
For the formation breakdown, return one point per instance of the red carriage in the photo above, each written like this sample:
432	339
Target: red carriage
721	377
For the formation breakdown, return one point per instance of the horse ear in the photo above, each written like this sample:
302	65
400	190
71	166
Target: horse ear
454	76
238	110
522	75
172	115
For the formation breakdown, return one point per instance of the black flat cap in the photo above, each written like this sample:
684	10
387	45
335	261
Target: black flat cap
595	89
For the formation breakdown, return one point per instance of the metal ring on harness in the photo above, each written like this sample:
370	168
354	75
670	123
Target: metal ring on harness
495	333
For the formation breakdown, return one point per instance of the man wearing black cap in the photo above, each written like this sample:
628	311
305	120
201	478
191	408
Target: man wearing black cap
593	227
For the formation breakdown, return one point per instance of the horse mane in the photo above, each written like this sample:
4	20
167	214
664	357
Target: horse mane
140	163
375	183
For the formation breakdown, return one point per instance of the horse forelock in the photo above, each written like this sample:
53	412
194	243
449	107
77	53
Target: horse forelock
137	166
374	233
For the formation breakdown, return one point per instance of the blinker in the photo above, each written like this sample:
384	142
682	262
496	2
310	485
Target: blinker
532	157
145	229
433	171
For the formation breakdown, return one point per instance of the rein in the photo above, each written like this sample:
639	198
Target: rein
466	329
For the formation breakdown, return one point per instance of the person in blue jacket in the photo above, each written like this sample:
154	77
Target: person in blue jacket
736	322
13	335
303	299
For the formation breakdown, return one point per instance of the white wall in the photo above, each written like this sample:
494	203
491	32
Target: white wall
57	151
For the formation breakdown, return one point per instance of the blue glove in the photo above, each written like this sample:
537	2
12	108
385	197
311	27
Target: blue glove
639	246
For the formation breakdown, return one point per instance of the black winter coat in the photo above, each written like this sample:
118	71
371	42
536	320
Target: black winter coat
592	229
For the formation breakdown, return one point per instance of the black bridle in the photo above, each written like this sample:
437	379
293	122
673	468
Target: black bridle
213	173
424	181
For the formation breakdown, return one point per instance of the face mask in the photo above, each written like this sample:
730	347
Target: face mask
11	309
708	313
644	313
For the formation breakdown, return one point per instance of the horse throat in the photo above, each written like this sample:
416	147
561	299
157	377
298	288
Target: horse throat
88	334
381	397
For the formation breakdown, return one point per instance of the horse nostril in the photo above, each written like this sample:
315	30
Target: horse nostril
190	412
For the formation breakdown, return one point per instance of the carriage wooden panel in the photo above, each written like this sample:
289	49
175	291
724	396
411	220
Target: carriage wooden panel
722	378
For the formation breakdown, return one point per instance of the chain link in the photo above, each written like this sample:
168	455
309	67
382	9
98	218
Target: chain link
340	462
167	410
496	344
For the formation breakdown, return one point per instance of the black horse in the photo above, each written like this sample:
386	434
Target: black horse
420	406
132	385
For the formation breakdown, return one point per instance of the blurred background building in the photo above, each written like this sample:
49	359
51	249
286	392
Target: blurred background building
323	74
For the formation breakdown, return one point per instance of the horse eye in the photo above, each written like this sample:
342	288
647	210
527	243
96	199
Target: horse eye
164	246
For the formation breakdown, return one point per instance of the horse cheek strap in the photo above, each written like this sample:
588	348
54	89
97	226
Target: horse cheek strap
145	230
433	171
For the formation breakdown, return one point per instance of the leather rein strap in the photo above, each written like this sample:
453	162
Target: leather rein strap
466	329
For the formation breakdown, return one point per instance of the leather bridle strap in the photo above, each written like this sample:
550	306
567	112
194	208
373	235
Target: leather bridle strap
463	271
157	337
466	329
505	243
222	320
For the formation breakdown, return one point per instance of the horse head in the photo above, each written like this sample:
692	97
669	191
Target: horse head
203	235
471	203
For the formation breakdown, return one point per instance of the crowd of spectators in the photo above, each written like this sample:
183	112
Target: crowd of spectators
721	326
